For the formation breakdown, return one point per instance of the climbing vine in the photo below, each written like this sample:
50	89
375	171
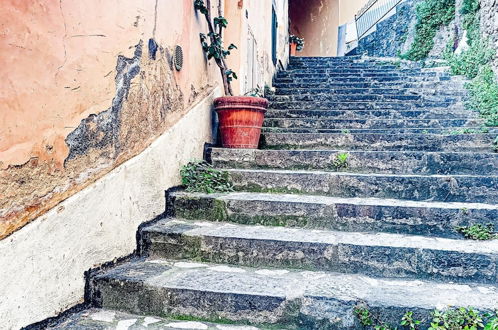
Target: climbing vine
431	15
474	63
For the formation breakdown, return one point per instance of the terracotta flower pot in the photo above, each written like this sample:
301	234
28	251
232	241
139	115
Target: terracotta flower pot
241	118
293	48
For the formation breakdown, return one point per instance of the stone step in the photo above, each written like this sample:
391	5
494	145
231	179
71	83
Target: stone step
444	188
372	114
381	162
96	318
288	298
298	98
353	63
379	142
377	69
348	65
387	131
371	91
449	85
357	74
433	219
335	80
300	59
364	105
372	254
370	123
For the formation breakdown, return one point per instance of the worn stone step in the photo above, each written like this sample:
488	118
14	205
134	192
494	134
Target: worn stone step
303	59
352	63
444	188
388	131
288	298
327	79
437	85
364	98
370	123
364	105
358	74
373	254
96	318
372	91
349	70
347	66
434	219
382	162
379	142
372	114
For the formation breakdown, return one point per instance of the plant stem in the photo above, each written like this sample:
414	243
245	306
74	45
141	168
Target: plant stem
220	61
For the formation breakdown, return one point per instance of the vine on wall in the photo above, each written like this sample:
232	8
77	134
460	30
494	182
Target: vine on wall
431	15
475	63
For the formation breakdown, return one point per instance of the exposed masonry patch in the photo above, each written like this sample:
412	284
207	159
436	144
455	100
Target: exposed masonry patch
152	49
102	130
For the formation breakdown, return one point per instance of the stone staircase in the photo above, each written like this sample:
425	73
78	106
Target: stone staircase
306	238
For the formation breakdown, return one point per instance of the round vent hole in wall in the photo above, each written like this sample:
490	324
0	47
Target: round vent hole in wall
178	59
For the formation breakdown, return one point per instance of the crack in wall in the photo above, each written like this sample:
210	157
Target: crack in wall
63	39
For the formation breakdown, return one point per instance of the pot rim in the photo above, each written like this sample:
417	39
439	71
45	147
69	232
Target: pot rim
241	98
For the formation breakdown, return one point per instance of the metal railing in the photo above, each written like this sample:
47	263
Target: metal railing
372	13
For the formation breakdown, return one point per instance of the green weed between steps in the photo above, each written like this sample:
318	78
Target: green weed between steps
199	176
478	232
341	161
448	319
461	131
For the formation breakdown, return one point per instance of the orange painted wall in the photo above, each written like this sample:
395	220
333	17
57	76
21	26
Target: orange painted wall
317	21
58	68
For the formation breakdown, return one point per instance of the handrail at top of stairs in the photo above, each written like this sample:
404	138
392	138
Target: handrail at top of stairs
371	14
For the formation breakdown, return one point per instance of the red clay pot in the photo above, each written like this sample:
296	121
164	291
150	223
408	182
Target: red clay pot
241	118
293	48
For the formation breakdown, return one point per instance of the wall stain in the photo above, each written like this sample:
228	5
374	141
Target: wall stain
147	101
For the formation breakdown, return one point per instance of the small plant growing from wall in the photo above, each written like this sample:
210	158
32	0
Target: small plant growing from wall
212	43
199	176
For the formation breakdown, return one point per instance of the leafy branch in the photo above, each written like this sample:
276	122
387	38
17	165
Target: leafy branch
212	43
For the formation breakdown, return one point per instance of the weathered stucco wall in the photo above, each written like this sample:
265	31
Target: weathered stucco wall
249	19
94	125
43	264
317	21
85	88
82	92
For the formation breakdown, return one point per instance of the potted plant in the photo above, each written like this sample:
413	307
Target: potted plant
240	117
296	44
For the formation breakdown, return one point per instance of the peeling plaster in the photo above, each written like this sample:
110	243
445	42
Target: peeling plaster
102	130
